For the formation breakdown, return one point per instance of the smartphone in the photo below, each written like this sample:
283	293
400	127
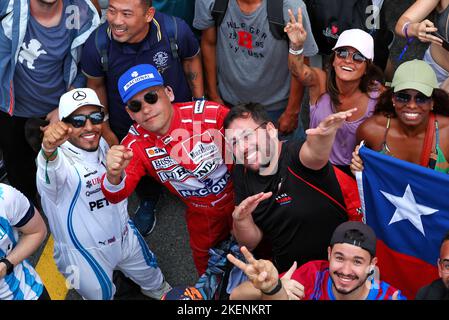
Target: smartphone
445	42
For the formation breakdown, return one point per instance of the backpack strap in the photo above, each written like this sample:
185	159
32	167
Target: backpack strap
275	15
102	40
428	141
171	25
219	11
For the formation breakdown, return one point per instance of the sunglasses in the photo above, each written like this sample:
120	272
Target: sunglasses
419	98
150	97
79	120
356	56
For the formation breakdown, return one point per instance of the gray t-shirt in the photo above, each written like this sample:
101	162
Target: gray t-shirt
38	78
252	64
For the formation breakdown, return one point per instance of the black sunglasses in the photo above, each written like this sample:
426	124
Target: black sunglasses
79	120
402	97
150	97
356	56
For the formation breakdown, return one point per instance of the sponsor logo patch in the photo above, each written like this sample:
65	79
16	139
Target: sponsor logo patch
155	152
178	173
283	199
209	188
163	163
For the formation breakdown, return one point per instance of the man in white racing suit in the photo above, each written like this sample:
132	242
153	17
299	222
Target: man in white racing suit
93	237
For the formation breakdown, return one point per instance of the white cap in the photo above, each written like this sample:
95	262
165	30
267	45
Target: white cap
77	98
358	39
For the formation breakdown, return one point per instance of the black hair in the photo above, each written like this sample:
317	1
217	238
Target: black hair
445	238
367	83
251	110
385	107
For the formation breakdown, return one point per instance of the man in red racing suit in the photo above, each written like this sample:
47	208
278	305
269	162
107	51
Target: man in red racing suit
186	155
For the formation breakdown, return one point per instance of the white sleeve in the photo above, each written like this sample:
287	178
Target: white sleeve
15	204
51	175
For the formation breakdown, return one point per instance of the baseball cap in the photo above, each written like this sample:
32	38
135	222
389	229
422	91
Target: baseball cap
367	239
138	78
415	74
358	39
77	98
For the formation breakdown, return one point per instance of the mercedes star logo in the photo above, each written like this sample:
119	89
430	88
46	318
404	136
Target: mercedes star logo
79	95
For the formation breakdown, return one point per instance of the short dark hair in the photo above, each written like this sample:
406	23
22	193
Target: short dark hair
251	110
445	238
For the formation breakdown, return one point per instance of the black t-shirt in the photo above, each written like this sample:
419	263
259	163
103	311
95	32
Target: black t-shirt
434	291
298	219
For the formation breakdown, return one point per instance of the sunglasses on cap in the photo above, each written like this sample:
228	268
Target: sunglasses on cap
150	97
356	56
403	97
79	120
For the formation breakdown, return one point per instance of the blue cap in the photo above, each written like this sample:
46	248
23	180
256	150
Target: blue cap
138	78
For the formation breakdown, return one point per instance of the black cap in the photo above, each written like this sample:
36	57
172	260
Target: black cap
356	233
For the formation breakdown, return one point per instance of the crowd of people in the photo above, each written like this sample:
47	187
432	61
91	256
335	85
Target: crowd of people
203	98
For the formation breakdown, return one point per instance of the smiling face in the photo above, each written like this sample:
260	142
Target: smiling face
412	107
129	20
346	66
88	136
252	143
349	266
153	117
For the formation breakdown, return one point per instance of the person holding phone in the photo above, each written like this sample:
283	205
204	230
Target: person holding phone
413	23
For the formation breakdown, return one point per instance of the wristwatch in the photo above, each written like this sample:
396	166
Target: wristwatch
9	265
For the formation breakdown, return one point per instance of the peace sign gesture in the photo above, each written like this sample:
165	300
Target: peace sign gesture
295	30
262	273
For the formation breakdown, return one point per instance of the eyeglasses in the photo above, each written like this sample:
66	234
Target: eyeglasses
79	120
356	56
246	135
444	265
150	97
419	98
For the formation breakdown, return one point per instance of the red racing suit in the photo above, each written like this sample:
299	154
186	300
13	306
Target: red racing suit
190	161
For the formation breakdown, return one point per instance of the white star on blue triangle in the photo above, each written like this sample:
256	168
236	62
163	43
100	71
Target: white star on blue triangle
407	208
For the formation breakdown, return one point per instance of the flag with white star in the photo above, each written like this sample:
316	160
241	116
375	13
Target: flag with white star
407	205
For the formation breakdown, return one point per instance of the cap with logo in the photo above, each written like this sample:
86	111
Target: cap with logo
138	78
365	240
417	75
77	98
358	39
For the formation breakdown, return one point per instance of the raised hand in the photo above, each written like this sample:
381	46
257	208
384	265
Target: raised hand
247	206
331	123
356	161
294	289
295	30
262	273
117	159
423	31
55	134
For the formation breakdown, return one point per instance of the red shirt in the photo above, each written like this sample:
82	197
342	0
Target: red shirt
188	160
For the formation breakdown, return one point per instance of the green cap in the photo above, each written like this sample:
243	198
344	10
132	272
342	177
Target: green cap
415	74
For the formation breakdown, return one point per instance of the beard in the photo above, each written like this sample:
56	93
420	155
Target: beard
346	292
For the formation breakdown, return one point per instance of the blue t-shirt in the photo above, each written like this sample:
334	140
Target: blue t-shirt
155	50
38	77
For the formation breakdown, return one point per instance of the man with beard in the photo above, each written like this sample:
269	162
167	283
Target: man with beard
438	289
347	275
287	193
92	236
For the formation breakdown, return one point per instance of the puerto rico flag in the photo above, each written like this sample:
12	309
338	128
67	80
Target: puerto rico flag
408	207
